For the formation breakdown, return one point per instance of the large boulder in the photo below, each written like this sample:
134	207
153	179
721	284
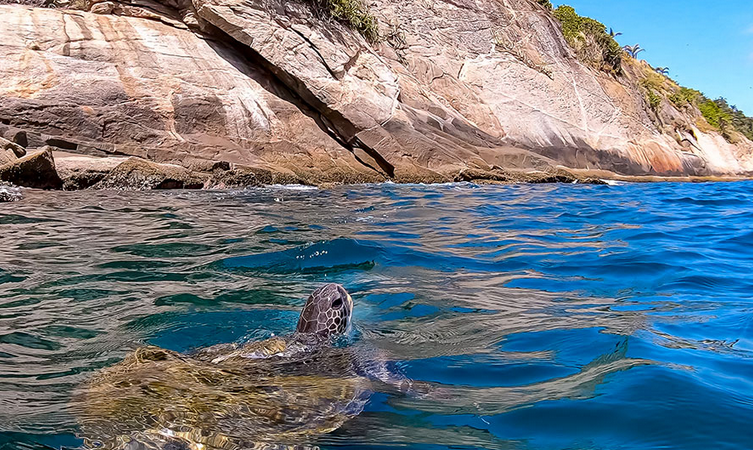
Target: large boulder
83	171
35	170
140	174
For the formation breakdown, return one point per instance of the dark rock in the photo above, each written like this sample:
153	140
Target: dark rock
17	136
140	174
35	170
61	143
207	166
240	177
478	175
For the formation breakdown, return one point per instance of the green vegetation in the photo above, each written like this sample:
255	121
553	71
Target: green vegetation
597	47
719	114
653	81
590	40
653	84
684	97
352	13
82	5
545	3
633	50
725	117
713	114
653	99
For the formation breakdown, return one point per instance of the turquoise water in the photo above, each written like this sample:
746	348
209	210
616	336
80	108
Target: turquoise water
549	317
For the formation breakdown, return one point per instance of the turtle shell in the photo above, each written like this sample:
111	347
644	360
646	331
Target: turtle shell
159	399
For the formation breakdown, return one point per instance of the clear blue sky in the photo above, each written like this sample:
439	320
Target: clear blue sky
707	44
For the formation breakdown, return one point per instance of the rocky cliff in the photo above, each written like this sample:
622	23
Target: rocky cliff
256	91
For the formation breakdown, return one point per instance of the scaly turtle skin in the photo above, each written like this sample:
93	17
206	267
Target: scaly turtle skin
285	390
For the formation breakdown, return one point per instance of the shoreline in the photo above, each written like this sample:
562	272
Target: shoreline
49	168
616	180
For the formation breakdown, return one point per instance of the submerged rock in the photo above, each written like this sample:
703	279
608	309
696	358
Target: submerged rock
140	174
35	170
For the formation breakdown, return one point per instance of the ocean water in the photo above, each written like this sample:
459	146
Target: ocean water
547	316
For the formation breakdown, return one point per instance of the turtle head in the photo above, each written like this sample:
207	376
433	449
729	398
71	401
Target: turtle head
327	312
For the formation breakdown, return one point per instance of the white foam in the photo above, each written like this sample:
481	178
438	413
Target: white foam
293	187
10	193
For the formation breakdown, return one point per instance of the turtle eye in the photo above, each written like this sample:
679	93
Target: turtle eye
337	304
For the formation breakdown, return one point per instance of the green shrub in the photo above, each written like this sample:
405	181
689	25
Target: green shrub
684	97
590	40
546	4
653	99
713	114
652	81
731	117
352	13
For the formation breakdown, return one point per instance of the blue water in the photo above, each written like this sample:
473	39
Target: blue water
547	317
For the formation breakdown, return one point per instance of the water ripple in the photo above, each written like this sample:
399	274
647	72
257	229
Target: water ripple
527	316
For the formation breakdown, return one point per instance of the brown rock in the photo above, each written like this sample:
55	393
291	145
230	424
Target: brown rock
16	136
139	174
10	151
82	171
239	177
104	86
35	170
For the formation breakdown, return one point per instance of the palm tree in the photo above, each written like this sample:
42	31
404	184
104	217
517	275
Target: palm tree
613	34
662	70
633	50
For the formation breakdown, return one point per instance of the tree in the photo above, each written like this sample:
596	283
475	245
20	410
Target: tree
613	34
633	50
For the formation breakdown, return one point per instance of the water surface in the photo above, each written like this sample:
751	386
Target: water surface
551	316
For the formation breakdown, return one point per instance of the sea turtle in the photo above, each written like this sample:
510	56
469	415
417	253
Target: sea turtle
269	394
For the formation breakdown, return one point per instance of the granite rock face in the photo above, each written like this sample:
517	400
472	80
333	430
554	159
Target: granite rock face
104	84
453	90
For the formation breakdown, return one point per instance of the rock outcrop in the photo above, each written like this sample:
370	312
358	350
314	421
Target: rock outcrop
10	152
81	171
35	170
453	91
139	174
